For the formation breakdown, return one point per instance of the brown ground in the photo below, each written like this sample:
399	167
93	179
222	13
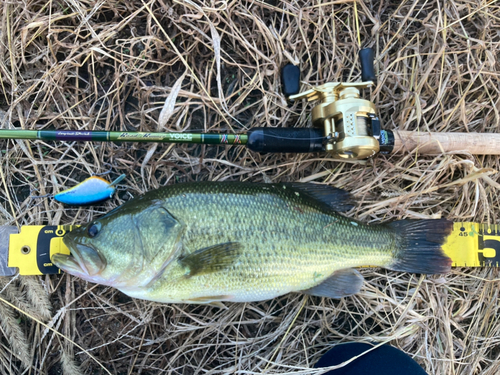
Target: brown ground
112	64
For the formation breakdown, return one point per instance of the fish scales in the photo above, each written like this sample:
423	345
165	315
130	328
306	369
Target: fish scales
282	239
276	231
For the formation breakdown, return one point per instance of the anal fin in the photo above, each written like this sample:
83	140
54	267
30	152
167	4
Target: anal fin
215	301
340	284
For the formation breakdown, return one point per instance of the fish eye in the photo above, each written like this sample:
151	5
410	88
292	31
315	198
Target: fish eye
93	229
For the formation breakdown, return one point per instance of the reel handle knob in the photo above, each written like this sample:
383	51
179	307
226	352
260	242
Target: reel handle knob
366	56
290	80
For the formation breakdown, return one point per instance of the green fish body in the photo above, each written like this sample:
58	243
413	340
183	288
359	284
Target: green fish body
242	242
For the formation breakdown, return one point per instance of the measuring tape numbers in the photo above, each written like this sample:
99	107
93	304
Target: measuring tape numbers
473	245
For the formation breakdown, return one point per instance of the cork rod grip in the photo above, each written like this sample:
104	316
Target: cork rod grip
437	143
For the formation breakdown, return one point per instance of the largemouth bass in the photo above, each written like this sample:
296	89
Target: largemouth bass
242	242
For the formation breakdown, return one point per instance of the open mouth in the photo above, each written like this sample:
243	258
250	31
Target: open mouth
67	263
78	262
70	263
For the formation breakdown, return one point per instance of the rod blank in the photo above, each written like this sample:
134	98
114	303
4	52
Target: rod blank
114	136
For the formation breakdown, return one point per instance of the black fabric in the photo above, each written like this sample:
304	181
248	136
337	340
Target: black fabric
384	360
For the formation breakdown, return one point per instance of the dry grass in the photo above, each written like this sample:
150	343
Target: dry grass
112	64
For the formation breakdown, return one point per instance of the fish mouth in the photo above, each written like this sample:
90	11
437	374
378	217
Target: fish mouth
84	261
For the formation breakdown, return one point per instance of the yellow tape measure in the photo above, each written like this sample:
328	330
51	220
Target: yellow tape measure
468	245
31	249
473	245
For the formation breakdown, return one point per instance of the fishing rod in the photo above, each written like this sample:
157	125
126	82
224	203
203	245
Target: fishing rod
293	140
344	125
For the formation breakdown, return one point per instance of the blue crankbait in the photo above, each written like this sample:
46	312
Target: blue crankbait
92	190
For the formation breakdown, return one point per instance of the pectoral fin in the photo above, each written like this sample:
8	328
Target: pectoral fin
342	283
211	259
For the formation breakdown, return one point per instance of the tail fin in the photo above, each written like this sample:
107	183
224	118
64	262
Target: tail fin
419	246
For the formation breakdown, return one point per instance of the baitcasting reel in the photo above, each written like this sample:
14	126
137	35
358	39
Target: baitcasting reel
344	124
350	123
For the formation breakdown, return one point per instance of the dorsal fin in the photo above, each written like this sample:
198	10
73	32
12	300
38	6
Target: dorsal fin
337	199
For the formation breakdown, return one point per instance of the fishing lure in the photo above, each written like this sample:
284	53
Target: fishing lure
92	190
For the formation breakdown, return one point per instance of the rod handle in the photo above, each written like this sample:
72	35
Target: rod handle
437	143
296	140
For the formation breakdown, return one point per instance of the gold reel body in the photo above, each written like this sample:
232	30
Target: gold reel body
349	122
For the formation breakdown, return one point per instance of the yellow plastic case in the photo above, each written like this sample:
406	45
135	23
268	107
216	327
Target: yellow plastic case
31	249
